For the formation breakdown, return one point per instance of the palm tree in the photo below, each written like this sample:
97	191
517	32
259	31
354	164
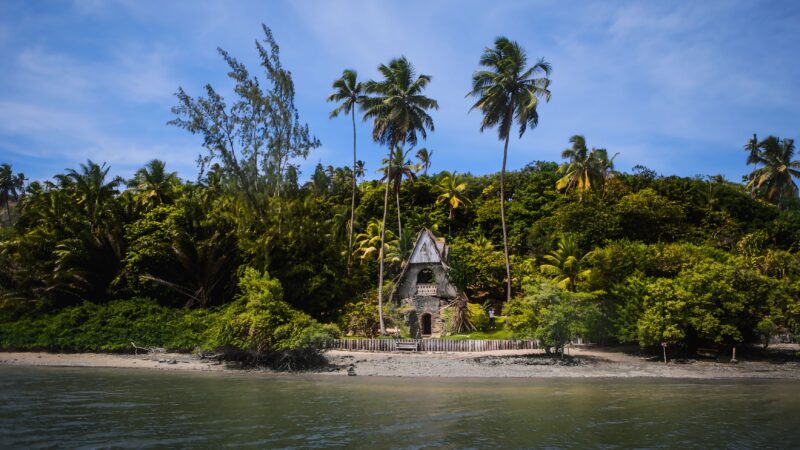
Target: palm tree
481	242
774	181
395	169
424	156
564	264
399	113
585	169
604	167
578	173
153	183
11	187
451	191
350	93
368	244
509	90
93	192
360	169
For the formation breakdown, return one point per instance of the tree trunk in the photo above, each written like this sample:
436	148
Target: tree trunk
503	218
278	196
353	199
399	222
381	253
450	223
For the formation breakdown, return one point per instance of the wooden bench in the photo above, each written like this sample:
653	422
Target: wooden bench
412	346
708	352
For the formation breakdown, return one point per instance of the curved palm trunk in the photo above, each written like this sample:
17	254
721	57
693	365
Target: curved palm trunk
353	199
380	270
503	218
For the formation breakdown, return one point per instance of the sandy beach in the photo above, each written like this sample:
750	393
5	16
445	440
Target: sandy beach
155	361
581	363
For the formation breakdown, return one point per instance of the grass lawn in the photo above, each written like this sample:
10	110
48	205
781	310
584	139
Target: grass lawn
499	332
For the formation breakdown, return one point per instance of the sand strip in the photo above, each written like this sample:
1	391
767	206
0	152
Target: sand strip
583	363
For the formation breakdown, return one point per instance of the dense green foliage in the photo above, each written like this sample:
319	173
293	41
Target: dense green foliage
86	264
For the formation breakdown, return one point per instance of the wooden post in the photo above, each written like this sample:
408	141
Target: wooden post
664	349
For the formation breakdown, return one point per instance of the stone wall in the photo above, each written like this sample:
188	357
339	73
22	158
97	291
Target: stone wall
407	286
418	306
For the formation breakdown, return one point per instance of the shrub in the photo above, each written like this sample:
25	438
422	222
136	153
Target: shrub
260	324
361	319
479	317
110	327
551	315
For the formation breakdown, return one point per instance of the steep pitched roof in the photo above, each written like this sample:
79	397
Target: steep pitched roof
428	249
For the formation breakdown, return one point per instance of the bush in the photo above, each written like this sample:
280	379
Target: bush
110	327
551	315
479	317
361	319
260	324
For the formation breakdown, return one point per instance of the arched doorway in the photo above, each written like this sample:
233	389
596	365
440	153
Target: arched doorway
426	324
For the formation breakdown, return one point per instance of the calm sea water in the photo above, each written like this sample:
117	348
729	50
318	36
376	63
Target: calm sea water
89	408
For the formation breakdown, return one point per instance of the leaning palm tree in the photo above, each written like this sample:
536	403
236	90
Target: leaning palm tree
350	93
399	113
153	183
774	180
395	170
506	91
424	156
564	264
451	191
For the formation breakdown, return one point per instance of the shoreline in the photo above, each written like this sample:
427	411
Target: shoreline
581	363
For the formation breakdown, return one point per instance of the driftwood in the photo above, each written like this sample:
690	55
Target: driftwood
136	349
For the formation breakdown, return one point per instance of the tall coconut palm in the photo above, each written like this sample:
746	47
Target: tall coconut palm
774	181
564	264
350	93
395	170
451	191
399	113
153	183
509	90
424	156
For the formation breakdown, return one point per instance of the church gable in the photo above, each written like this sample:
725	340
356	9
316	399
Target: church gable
426	250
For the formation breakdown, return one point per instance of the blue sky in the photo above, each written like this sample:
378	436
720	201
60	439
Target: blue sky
676	86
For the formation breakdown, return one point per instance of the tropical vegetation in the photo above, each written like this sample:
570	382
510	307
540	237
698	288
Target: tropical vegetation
248	258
